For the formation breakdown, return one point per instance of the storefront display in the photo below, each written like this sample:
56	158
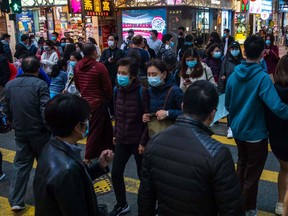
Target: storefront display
143	21
240	27
202	21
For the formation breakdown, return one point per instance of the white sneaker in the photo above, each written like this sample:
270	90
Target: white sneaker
2	176
279	208
229	133
17	208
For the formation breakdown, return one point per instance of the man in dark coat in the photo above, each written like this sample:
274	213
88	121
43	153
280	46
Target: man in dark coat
227	40
109	58
185	170
25	99
62	184
22	47
5	41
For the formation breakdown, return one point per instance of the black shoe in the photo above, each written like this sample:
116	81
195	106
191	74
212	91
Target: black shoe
118	210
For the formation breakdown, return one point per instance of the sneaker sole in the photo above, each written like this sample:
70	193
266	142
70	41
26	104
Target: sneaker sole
18	208
124	211
1	177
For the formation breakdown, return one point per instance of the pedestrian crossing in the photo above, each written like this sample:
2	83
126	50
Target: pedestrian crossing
103	185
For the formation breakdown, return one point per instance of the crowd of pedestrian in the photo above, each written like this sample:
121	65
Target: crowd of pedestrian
163	101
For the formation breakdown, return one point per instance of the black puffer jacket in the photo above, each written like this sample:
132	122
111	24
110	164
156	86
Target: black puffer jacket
130	105
188	173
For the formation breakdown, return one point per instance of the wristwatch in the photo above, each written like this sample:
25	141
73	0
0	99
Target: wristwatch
167	113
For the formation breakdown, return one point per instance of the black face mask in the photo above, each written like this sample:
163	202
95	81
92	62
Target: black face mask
181	33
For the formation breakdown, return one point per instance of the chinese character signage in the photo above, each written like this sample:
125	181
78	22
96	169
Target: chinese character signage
88	5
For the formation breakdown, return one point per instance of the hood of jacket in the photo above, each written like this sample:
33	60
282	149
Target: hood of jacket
86	64
247	70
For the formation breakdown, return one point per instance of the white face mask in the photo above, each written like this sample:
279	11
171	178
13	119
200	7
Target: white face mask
111	43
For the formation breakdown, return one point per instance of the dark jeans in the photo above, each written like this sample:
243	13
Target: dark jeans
121	157
251	161
1	171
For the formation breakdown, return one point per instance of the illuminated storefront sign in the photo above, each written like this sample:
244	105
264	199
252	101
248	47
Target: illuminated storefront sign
255	6
75	6
33	3
99	8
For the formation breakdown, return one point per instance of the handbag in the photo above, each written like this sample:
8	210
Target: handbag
154	125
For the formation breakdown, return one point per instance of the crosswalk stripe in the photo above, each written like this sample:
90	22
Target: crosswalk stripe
6	209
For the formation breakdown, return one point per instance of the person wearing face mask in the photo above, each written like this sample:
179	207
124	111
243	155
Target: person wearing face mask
154	43
214	59
232	59
58	78
165	98
79	47
60	167
22	47
94	84
70	85
109	58
227	40
6	41
130	134
49	57
188	43
181	38
166	47
271	55
192	69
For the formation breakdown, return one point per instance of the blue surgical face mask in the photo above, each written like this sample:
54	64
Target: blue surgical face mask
53	38
191	64
151	37
217	55
123	80
72	63
224	35
172	44
85	134
188	43
235	53
155	81
63	44
268	42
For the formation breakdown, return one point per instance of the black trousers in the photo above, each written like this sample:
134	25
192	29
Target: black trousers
1	171
251	161
121	157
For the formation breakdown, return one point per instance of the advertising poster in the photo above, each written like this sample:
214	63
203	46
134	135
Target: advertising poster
50	24
143	21
64	20
25	23
75	6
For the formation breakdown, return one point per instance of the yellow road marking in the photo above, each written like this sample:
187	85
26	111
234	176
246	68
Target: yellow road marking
223	120
9	155
5	209
226	141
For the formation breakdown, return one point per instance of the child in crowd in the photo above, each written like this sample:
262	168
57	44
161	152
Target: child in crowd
58	78
70	84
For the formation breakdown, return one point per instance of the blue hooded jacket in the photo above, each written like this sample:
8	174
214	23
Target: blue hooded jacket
248	90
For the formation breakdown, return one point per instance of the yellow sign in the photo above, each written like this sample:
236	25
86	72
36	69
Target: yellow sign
88	5
97	6
106	6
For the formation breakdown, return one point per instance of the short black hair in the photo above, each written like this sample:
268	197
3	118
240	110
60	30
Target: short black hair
4	36
77	55
155	32
227	30
58	67
254	46
166	38
56	33
88	49
92	40
49	43
131	63
64	112
181	28
30	64
24	37
131	31
115	36
200	99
